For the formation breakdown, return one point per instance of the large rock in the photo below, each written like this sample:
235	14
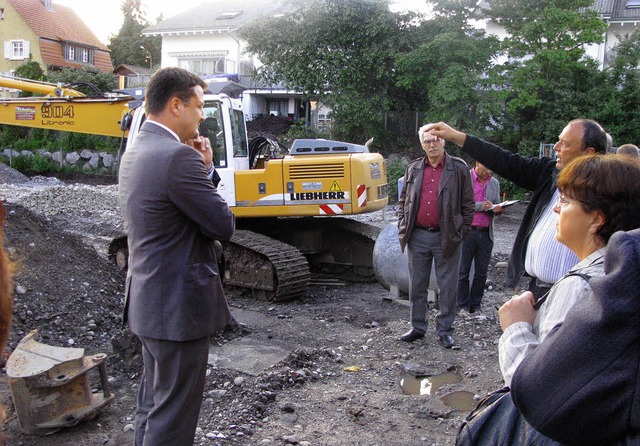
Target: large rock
11	153
107	159
94	162
72	157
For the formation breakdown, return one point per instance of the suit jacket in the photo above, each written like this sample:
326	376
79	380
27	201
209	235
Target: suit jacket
172	215
535	174
582	384
455	202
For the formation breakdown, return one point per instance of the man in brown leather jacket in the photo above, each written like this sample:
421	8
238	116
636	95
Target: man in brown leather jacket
435	212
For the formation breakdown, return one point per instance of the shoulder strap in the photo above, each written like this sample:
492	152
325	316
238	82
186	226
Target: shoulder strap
542	298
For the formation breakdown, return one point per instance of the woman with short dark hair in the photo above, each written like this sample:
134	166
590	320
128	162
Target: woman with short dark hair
600	194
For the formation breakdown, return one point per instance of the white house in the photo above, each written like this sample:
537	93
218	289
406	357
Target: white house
621	16
204	40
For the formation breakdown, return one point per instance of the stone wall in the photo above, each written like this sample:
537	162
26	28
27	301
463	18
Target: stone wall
102	162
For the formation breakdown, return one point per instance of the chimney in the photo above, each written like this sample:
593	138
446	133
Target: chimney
47	4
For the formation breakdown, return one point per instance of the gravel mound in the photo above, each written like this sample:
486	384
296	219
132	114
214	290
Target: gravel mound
11	176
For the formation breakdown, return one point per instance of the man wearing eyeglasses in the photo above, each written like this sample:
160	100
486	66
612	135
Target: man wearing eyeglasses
536	251
435	211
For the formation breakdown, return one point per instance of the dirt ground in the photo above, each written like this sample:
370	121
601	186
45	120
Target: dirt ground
327	369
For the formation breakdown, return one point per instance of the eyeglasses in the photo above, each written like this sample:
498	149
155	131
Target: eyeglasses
431	142
563	201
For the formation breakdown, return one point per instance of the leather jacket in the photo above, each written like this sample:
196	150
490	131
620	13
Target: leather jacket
455	202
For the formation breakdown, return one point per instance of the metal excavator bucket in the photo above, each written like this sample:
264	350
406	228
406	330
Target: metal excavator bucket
50	386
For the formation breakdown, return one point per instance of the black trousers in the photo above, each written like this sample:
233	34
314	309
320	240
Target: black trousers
476	247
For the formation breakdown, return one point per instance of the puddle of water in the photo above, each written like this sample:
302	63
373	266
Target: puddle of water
460	399
427	385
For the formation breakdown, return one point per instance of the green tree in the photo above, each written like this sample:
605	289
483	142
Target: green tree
620	95
30	70
339	51
547	80
89	83
129	46
445	72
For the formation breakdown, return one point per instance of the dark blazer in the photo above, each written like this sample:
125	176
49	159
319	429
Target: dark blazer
455	202
582	384
536	174
172	215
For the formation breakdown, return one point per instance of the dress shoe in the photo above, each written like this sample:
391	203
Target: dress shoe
411	335
446	340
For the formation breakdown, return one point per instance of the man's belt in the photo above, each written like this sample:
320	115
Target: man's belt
480	228
430	228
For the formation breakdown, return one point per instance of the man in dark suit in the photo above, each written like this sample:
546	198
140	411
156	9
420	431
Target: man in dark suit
173	297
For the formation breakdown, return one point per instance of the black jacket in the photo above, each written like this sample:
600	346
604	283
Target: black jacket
535	174
582	384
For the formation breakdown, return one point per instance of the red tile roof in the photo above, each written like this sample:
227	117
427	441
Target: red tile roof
57	25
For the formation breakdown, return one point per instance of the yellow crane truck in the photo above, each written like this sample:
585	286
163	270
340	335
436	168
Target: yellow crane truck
290	207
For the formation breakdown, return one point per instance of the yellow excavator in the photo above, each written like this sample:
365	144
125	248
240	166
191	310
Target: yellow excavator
290	206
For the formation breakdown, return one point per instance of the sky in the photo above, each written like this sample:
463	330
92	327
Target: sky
105	18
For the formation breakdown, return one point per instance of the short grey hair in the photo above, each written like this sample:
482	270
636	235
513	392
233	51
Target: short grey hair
421	131
629	150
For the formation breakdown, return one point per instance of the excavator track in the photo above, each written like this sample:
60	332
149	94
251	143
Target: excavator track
270	269
334	246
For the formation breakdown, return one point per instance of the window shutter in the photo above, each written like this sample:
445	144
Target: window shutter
7	49
27	49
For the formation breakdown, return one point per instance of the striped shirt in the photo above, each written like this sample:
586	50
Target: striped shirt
521	338
546	258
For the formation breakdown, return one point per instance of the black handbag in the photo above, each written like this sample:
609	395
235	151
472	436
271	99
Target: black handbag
496	421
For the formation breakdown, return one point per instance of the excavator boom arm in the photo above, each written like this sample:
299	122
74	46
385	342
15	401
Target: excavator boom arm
64	109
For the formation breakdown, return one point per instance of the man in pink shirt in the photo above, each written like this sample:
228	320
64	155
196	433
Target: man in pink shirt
478	245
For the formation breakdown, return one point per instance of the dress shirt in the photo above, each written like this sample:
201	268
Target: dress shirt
480	218
546	258
211	171
519	339
428	214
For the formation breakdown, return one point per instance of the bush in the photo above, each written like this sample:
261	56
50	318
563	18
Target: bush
302	131
21	163
395	170
9	134
40	164
71	141
512	191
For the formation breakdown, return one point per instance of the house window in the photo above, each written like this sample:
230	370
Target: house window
78	54
16	49
633	4
246	68
205	66
278	107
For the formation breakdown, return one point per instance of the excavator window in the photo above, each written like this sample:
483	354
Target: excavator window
239	134
212	127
